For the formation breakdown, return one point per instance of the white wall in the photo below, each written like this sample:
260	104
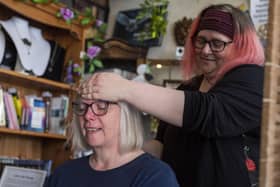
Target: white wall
177	9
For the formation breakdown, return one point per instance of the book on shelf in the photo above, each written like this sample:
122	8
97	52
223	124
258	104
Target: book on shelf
16	101
35	113
26	113
12	121
59	111
29	112
2	109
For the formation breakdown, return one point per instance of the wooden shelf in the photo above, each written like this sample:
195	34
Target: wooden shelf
71	37
33	134
164	62
120	49
9	76
44	14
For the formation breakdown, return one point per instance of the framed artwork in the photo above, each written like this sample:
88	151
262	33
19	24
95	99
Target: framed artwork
129	28
100	8
171	83
69	3
25	177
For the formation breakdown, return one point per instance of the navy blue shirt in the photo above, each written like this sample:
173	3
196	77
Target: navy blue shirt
143	171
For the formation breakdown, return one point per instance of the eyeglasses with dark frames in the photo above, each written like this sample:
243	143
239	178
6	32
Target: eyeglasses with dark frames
215	44
99	108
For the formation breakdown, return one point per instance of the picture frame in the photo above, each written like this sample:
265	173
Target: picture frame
129	28
69	3
24	177
100	9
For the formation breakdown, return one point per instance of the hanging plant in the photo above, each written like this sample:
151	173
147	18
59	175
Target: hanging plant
156	11
90	57
40	1
87	17
101	28
45	1
67	14
84	18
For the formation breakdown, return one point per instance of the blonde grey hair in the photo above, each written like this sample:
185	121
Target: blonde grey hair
131	131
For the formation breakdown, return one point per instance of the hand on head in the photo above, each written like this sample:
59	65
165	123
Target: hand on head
104	86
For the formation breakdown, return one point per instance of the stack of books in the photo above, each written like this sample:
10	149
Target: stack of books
31	112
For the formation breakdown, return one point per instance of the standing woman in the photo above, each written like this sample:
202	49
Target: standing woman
217	112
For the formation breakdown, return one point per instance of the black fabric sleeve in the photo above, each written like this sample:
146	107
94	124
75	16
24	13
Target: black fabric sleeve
162	128
231	108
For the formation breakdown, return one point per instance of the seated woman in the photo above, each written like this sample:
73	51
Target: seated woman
114	132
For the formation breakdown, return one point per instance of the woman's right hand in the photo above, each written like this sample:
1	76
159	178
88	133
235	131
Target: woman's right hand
104	86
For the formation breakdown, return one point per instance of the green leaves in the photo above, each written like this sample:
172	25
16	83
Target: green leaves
156	10
98	63
68	22
91	68
85	18
95	63
87	12
58	15
40	1
91	56
86	21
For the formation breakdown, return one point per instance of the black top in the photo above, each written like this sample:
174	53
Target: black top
208	150
143	171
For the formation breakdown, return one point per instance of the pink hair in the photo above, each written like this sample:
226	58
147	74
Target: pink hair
247	50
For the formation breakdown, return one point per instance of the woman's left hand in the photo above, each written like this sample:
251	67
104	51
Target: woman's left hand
104	86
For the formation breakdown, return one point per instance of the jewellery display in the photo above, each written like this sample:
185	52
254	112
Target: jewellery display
40	51
52	60
8	52
33	50
21	27
2	45
56	62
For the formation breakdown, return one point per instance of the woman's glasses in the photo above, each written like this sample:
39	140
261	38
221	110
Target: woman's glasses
215	45
99	108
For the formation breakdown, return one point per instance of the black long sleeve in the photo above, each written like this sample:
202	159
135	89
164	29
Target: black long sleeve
231	108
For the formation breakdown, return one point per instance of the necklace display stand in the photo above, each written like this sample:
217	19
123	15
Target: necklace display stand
2	45
39	52
29	144
17	29
33	50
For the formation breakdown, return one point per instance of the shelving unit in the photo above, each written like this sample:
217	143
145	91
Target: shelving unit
32	134
12	77
34	145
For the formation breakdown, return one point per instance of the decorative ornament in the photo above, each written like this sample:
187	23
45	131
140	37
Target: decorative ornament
143	73
181	30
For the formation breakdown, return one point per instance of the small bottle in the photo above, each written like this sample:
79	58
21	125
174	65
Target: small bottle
47	99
